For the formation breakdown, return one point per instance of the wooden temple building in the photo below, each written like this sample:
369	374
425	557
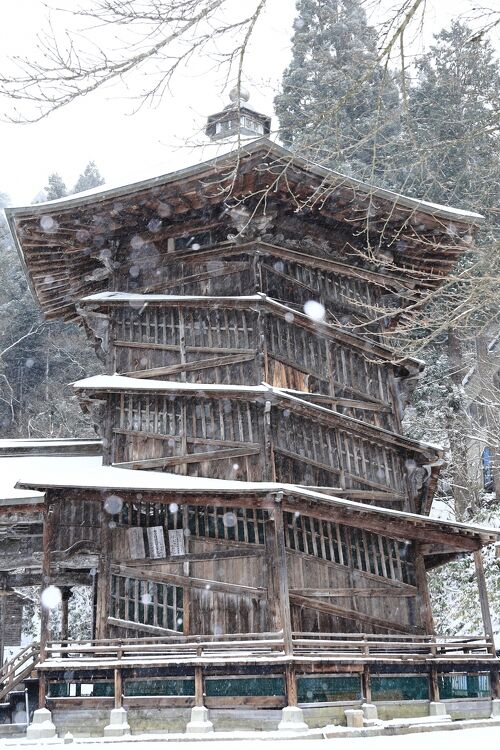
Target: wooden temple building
257	537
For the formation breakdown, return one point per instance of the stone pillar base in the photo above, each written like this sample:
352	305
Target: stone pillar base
118	724
370	715
354	717
495	708
437	709
200	722
41	727
292	720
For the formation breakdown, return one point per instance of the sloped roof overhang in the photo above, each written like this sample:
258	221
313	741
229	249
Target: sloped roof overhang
57	240
164	487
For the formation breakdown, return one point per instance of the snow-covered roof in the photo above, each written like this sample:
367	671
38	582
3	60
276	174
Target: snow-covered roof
77	474
117	383
226	151
124	383
13	468
18	455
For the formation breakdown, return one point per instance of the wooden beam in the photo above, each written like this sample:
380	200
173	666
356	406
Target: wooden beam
217	554
189	458
202	364
189	581
355	591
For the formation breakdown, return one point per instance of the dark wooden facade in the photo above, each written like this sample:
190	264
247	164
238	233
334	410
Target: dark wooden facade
271	492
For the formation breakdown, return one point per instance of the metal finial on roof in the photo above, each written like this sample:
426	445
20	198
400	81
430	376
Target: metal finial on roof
239	94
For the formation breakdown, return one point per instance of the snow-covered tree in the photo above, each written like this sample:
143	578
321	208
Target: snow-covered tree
89	178
56	187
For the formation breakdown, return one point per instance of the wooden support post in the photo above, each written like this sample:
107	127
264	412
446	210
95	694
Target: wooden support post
283	593
2	627
42	689
186	570
433	685
198	686
103	578
118	688
291	685
483	599
65	597
271	574
495	683
47	538
366	684
423	590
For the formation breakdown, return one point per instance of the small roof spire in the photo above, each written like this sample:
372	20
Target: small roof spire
237	118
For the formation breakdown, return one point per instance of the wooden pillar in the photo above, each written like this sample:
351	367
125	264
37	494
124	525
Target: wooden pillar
483	599
198	686
423	590
283	593
433	685
271	575
118	688
291	685
47	539
186	568
495	683
366	684
103	579
2	625
65	597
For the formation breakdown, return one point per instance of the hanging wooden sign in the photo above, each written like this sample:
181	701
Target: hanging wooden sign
135	538
156	542
176	542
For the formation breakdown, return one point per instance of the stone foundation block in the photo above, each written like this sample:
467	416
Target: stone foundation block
118	723
354	717
200	722
370	715
437	709
292	720
495	708
41	727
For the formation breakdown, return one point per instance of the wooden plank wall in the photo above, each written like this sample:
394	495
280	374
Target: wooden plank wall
340	579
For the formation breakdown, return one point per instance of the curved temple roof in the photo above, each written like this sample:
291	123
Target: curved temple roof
61	242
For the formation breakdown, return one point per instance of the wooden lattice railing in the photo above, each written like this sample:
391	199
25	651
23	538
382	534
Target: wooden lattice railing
18	668
271	646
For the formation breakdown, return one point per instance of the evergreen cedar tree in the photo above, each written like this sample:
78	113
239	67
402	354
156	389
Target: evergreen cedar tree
338	106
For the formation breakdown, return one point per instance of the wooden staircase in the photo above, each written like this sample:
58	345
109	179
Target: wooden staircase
15	671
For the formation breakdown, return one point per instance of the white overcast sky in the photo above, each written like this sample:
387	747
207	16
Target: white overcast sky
126	146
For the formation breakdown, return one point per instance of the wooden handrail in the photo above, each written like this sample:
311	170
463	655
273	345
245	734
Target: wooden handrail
323	644
16	669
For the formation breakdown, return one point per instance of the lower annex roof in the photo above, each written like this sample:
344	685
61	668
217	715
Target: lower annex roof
110	479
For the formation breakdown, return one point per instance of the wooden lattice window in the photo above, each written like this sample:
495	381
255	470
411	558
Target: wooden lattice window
147	602
344	545
238	524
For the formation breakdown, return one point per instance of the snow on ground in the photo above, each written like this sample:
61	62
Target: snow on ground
460	739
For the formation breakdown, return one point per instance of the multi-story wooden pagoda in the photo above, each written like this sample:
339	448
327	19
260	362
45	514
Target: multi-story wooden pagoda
259	534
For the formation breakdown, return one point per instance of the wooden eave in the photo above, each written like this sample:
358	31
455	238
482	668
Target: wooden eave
451	538
61	269
404	366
